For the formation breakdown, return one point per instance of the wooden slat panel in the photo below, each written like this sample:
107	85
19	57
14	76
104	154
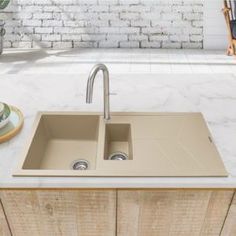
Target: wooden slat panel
230	223
216	212
60	212
4	230
171	212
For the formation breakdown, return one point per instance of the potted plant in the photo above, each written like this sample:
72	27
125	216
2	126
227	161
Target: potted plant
3	5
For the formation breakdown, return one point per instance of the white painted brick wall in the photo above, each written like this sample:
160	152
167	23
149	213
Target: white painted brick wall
104	23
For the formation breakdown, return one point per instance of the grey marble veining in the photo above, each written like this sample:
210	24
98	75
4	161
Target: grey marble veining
213	95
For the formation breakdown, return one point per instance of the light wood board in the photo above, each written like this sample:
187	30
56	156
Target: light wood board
4	229
172	212
230	223
40	213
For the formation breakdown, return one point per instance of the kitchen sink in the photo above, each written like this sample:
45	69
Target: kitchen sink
130	144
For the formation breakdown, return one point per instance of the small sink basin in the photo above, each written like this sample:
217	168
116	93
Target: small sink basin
130	144
118	141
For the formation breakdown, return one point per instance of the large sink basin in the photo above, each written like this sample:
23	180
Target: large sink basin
153	144
60	139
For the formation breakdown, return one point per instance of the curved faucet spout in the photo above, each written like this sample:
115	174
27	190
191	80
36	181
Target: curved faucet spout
89	94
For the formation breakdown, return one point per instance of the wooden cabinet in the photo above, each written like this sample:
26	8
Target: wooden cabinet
60	212
4	229
229	228
172	212
118	212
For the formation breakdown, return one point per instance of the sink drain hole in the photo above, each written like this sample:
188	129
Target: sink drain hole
118	156
80	165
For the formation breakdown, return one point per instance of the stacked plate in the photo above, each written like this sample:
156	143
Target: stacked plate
5	112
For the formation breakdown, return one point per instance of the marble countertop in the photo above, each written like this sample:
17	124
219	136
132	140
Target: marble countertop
213	95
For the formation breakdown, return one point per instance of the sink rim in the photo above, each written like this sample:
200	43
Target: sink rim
19	171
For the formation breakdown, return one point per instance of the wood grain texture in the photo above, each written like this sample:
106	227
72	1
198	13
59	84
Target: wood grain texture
217	208
59	212
230	222
172	212
4	229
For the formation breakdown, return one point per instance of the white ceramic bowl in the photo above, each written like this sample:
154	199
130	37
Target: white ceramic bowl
5	117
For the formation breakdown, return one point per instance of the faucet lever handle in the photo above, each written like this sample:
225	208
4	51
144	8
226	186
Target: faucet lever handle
113	93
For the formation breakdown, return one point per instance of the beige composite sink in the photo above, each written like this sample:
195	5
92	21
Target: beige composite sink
151	144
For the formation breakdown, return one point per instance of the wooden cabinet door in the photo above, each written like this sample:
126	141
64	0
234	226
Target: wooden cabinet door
230	222
60	212
4	229
172	212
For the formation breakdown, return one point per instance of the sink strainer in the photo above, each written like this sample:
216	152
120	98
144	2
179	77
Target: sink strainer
80	165
118	156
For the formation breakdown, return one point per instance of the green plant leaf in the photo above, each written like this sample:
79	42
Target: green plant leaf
4	3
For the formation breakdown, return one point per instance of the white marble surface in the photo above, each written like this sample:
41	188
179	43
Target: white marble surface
213	95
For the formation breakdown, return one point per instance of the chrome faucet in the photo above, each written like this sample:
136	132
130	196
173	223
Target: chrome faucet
89	95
